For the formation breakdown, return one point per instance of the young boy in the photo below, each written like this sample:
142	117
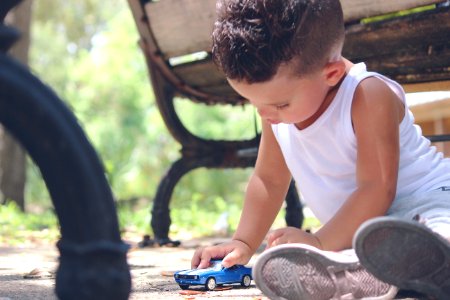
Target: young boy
348	139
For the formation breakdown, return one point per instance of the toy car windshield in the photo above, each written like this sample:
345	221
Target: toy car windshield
216	265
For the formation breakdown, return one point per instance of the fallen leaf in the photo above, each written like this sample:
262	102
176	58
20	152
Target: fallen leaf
167	273
191	292
223	288
38	273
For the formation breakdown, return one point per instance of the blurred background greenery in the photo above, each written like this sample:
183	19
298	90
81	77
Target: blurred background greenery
87	51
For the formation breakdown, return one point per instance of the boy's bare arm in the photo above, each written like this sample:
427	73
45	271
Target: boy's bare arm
265	194
376	115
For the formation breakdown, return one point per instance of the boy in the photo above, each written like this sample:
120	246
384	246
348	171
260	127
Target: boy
348	139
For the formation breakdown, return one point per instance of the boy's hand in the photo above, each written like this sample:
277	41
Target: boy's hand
292	235
233	252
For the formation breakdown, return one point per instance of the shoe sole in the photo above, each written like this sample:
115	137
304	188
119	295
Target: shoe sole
406	254
293	272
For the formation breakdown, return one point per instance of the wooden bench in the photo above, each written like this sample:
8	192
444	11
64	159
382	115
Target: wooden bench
413	49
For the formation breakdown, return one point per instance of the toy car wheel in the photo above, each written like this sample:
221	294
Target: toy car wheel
184	286
246	280
210	284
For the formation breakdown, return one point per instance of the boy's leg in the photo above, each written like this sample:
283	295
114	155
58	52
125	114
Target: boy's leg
296	271
406	254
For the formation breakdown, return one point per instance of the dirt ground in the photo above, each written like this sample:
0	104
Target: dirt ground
150	270
27	273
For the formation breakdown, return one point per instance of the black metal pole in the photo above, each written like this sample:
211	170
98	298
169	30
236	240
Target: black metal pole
93	257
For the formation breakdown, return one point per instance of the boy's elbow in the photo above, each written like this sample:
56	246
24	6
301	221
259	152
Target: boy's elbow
390	188
386	193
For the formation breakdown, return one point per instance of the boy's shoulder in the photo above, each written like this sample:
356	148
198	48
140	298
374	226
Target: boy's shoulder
375	100
373	89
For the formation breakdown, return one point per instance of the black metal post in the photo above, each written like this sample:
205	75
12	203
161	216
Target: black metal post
93	257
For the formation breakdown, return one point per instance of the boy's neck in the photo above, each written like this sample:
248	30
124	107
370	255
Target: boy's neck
326	101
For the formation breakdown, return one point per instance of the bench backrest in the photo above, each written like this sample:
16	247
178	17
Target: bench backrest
183	27
181	30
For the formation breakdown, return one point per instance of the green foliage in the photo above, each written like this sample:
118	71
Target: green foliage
17	227
35	189
219	122
194	220
107	87
133	218
76	21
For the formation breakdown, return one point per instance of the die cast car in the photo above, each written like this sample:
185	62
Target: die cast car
213	276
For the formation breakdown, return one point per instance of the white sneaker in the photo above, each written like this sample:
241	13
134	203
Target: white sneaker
297	271
406	254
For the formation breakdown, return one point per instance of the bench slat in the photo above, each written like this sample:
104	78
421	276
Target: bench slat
184	26
199	74
404	52
205	76
359	9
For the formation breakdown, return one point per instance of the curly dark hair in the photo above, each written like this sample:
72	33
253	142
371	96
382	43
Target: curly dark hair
252	38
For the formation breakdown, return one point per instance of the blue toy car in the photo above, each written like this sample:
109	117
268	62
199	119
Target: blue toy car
213	276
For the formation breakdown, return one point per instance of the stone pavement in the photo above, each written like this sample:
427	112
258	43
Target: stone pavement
151	270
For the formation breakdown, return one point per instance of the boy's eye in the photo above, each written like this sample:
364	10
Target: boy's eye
282	106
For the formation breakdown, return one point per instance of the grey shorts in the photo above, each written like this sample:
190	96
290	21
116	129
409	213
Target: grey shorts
432	207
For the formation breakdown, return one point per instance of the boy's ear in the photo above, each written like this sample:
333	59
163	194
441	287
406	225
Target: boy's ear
334	71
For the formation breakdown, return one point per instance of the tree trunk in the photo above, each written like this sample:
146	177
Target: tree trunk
12	155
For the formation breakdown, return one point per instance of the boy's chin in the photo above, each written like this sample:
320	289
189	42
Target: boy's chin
273	122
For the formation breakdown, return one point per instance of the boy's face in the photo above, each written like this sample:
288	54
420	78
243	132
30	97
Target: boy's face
286	98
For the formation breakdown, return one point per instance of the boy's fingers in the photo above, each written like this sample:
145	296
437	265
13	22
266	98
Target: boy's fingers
278	241
205	259
273	236
237	257
271	244
204	263
229	253
231	259
196	259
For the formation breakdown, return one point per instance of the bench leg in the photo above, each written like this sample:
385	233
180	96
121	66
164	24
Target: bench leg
160	212
161	220
92	255
294	209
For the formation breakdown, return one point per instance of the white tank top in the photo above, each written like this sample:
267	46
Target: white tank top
322	157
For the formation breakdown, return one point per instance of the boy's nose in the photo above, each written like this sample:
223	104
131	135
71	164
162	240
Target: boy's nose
263	112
